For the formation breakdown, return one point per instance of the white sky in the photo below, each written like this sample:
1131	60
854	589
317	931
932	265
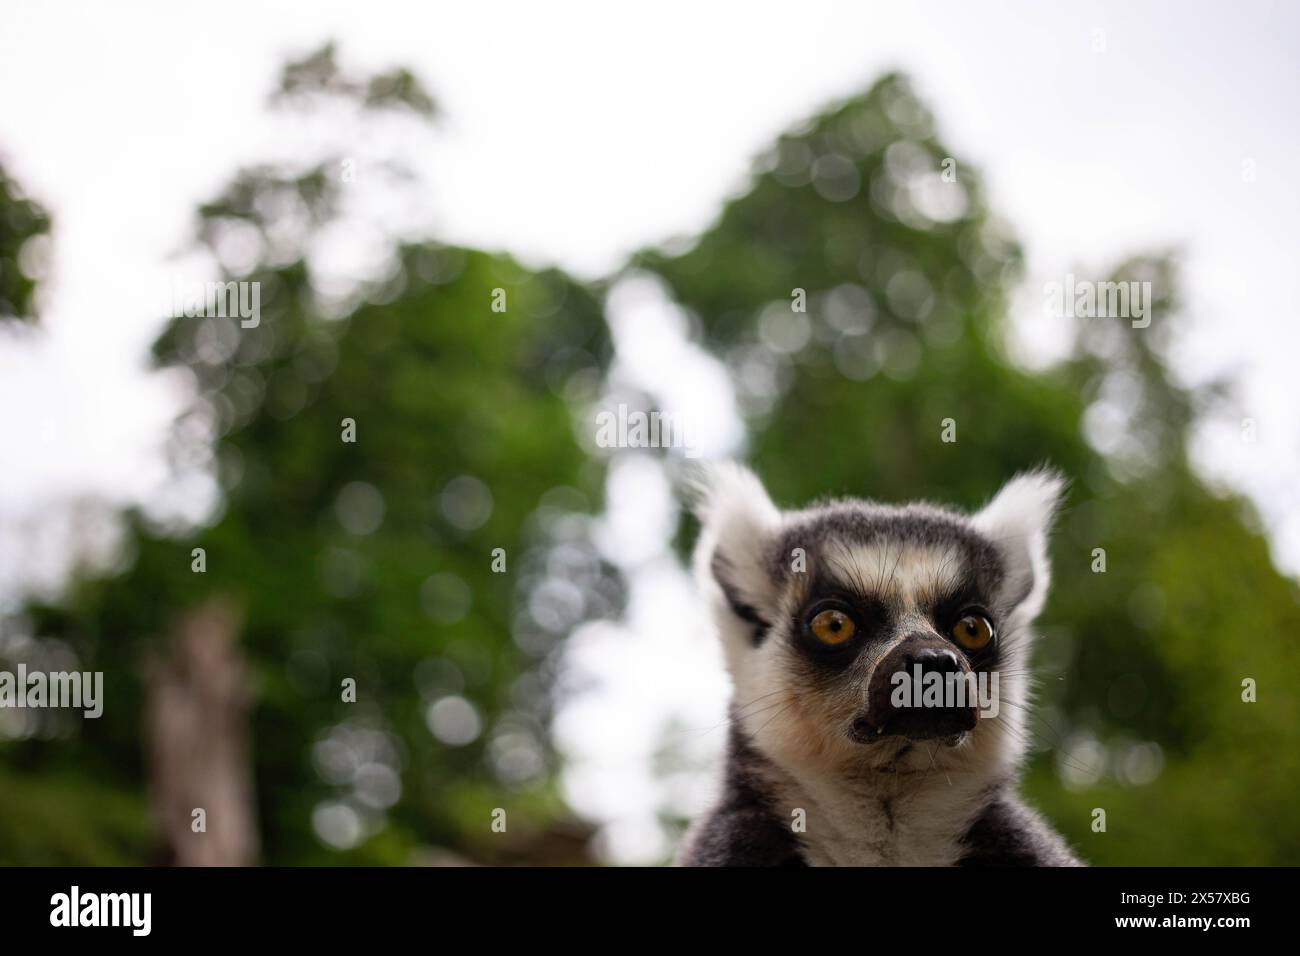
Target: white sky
576	133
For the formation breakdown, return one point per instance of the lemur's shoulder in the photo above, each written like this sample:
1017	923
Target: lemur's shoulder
742	828
1006	832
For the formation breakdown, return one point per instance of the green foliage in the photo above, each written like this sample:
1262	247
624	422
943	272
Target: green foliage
367	559
441	389
1152	650
21	220
68	820
319	74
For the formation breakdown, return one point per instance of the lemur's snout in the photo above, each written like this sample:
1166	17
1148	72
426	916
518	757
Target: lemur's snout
910	693
919	649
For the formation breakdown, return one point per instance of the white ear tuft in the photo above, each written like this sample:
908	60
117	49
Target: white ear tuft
738	522
1018	520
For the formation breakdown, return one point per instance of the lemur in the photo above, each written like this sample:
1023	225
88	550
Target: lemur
818	611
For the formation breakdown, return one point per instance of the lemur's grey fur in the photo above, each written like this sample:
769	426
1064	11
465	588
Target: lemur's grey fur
802	784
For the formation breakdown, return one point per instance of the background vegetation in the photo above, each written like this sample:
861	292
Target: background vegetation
372	560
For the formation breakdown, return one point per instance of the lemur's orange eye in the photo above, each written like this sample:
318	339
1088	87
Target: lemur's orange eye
833	627
973	632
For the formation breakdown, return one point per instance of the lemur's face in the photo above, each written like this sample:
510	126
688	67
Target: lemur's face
887	637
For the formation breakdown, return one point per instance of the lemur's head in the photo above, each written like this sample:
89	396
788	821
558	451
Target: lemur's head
821	610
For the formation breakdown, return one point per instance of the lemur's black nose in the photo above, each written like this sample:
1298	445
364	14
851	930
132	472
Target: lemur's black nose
942	660
901	692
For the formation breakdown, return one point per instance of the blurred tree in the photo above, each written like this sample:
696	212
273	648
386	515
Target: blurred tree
400	489
907	276
24	234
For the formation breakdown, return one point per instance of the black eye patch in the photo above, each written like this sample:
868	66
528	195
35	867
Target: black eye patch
947	611
870	619
947	608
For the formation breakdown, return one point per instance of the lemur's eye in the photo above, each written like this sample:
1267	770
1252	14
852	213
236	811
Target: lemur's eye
832	627
973	632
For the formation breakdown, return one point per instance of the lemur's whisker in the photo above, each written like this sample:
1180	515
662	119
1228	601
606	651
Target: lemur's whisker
1027	736
741	707
787	704
764	709
1037	721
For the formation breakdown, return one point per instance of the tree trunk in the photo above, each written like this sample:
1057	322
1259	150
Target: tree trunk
197	720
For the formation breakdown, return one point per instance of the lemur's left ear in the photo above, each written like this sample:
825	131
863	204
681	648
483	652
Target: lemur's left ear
1018	520
738	524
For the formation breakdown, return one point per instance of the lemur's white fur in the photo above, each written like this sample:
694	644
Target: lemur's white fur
1017	519
734	507
892	803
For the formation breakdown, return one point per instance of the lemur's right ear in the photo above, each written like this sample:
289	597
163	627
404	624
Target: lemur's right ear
738	524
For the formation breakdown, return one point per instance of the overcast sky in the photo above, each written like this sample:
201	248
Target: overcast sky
574	134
